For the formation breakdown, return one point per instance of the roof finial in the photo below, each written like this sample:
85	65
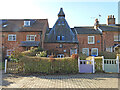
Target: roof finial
61	13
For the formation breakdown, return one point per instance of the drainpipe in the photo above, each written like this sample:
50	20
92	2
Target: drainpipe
40	40
101	42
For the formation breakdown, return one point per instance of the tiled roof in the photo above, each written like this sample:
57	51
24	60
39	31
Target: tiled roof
18	25
29	43
109	28
86	30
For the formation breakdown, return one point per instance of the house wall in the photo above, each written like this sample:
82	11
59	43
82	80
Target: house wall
108	39
83	42
20	36
55	47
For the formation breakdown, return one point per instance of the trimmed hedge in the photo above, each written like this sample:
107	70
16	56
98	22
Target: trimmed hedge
50	66
108	55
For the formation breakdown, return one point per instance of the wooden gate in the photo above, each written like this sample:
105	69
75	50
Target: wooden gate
86	66
13	67
111	65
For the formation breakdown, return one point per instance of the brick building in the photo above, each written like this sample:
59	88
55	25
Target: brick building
61	39
20	34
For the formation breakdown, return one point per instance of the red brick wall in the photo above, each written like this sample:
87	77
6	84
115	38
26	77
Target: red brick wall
56	47
20	36
83	42
108	39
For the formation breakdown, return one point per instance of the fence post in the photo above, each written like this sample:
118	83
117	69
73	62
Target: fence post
93	64
103	63
118	63
5	65
78	64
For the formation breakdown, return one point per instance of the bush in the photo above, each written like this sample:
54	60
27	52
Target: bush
46	66
108	55
75	56
82	56
42	54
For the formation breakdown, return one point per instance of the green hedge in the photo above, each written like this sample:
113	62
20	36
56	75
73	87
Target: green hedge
108	55
50	66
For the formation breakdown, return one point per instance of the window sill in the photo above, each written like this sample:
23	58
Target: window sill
91	43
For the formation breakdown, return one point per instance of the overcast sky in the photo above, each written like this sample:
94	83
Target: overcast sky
77	12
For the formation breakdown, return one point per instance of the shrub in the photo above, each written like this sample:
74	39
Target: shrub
82	56
75	56
108	55
42	54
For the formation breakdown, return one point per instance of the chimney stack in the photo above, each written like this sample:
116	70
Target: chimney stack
96	24
111	20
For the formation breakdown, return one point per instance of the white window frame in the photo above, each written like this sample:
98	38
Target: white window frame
71	51
87	50
30	37
92	51
60	55
93	40
12	37
109	49
117	36
27	24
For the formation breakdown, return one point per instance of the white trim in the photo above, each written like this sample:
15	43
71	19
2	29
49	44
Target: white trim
5	65
30	37
26	24
93	40
100	29
12	37
103	63
93	64
93	49
118	62
87	51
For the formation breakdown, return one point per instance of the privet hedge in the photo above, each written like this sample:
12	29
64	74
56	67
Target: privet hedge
50	65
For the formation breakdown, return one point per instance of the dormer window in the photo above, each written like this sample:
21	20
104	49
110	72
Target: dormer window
58	37
26	23
62	22
4	26
63	38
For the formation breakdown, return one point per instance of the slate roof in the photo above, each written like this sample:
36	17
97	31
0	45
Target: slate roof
18	25
61	28
109	28
86	30
29	43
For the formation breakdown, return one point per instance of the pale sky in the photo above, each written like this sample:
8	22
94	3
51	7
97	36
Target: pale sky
78	13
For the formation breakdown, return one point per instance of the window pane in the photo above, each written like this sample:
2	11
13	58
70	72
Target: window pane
62	37
94	51
14	38
28	38
32	38
115	37
58	37
85	51
90	39
10	38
